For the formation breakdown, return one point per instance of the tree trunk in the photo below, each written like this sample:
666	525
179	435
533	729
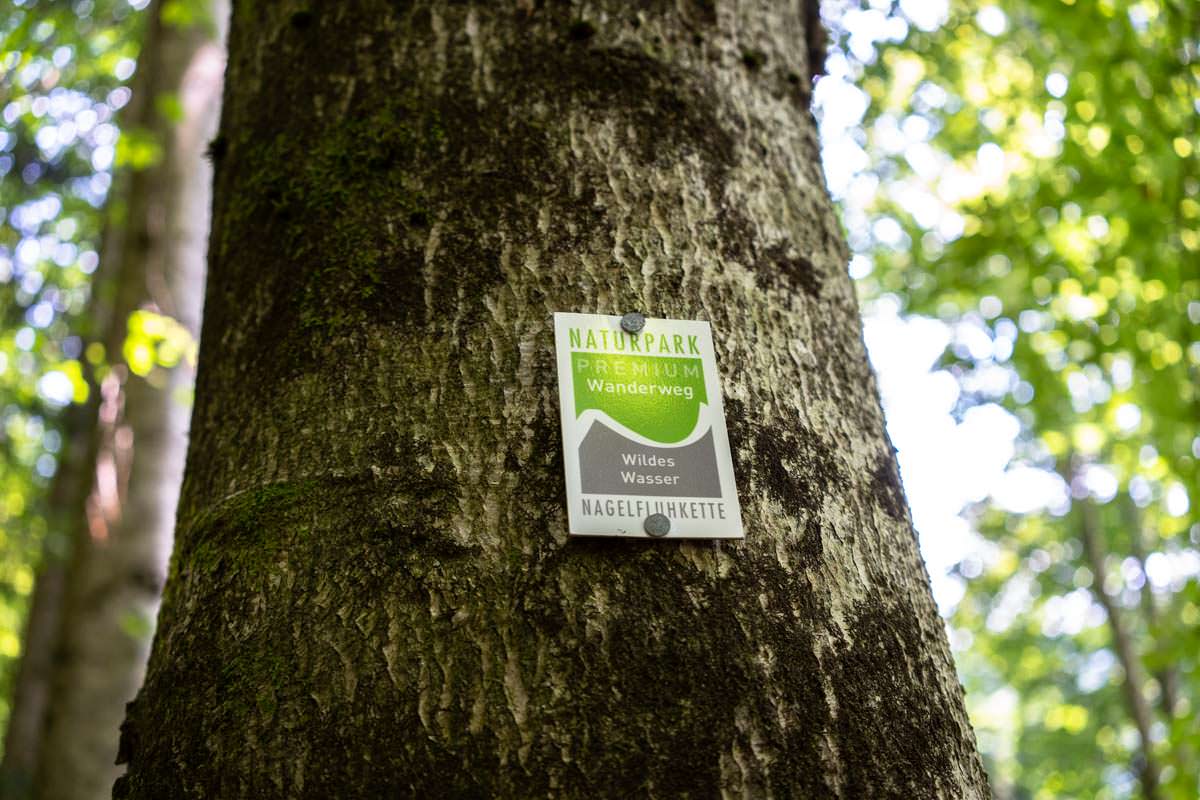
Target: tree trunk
1168	676
118	559
373	592
31	686
1127	654
31	689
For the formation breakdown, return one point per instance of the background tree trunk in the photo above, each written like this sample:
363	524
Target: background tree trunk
373	592
133	459
1122	641
31	686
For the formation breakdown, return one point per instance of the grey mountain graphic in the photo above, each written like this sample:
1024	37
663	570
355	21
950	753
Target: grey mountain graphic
605	466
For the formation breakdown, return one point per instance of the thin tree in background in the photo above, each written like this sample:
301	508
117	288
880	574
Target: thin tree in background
373	593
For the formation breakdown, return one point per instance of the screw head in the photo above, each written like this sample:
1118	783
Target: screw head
633	322
657	525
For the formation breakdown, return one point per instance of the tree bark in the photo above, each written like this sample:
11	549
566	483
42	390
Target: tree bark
373	592
118	558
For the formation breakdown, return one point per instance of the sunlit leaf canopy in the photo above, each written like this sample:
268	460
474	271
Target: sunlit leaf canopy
1025	178
63	70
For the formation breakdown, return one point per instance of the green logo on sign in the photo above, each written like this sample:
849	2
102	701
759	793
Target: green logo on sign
655	397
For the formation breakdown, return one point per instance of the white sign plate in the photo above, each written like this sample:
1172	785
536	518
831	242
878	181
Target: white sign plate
644	429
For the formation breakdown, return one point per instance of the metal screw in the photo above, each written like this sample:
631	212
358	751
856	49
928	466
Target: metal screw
657	525
633	322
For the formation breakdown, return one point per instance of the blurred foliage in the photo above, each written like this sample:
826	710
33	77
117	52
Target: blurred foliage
1030	175
155	340
63	73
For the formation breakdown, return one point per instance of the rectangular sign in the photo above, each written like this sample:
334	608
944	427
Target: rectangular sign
645	447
